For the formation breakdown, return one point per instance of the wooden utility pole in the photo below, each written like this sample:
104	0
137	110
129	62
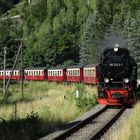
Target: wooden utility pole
4	80
22	70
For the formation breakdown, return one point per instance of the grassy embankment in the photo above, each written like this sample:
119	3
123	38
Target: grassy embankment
45	105
130	129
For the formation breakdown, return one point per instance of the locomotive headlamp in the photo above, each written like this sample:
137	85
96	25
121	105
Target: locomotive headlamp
138	81
116	49
106	80
126	80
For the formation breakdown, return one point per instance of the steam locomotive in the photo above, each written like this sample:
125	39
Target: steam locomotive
117	79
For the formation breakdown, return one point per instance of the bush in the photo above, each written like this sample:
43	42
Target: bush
82	98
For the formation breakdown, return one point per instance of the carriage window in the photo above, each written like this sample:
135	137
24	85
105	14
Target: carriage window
86	71
70	72
85	74
76	74
90	73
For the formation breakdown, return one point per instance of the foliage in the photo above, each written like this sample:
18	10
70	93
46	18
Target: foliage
82	98
5	5
8	36
63	31
54	31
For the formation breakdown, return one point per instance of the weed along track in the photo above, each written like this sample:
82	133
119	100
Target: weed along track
93	127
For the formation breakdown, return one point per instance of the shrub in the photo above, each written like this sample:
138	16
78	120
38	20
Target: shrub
82	98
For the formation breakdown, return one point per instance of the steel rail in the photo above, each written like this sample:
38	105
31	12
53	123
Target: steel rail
81	124
101	132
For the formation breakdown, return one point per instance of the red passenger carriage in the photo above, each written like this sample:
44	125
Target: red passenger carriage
75	73
16	75
57	74
90	74
35	73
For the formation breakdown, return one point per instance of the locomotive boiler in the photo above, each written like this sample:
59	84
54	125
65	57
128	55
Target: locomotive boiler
117	77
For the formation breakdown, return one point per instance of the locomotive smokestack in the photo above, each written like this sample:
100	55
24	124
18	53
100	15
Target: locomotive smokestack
113	40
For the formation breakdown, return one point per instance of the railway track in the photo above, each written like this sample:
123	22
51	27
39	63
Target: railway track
94	126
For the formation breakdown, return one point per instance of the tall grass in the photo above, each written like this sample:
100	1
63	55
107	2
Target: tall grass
50	101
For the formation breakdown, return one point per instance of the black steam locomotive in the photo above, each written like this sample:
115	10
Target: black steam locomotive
117	77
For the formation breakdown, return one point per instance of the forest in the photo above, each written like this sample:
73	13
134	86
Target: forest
65	32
